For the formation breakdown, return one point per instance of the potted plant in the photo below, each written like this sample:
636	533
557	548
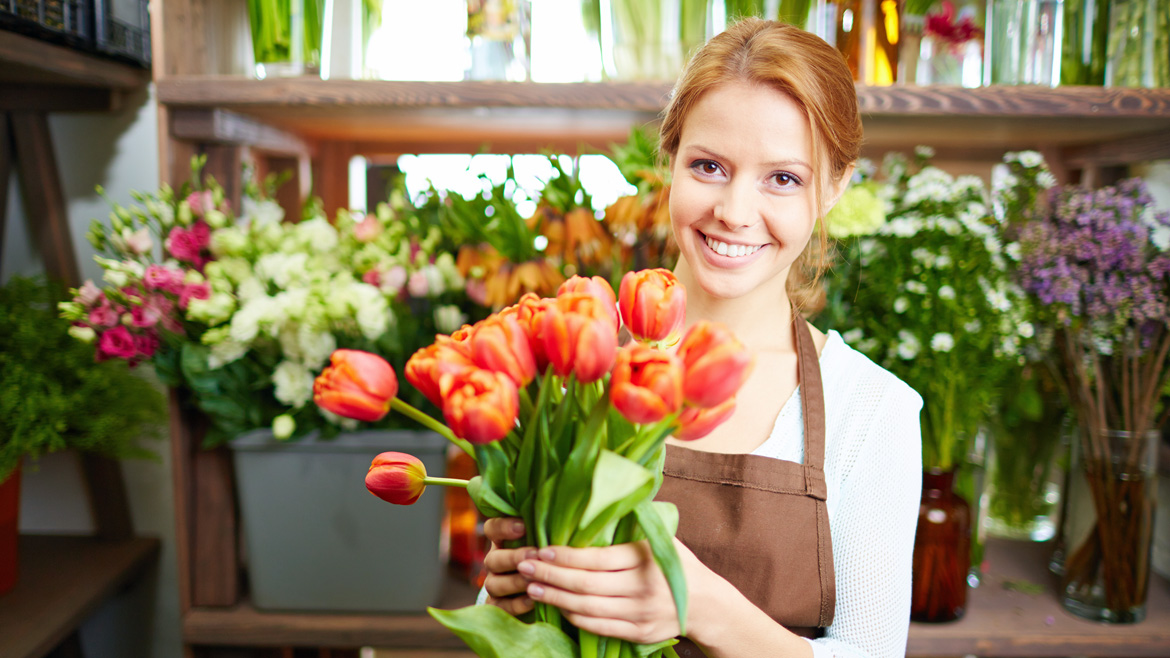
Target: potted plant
55	396
239	311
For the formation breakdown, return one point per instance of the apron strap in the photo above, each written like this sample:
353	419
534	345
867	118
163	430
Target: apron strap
812	406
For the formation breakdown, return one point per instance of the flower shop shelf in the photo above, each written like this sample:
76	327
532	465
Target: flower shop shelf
36	75
62	580
1015	612
1085	124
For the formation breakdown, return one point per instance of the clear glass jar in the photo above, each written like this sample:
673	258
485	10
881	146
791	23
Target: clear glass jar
499	39
286	42
1138	43
1023	42
1109	528
1025	480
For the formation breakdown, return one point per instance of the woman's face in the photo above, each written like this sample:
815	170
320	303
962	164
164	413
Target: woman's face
741	196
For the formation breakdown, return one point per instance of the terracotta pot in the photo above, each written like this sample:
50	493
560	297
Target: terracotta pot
9	512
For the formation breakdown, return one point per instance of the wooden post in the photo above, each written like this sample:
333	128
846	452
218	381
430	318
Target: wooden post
43	198
5	174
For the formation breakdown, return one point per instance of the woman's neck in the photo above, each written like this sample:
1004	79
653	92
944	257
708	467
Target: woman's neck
761	320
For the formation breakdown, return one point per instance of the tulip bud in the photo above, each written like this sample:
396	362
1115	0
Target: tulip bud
480	405
595	286
579	337
397	478
653	305
715	364
499	344
646	385
695	422
357	385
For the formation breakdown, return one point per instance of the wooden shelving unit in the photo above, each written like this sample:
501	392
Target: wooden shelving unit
62	580
314	126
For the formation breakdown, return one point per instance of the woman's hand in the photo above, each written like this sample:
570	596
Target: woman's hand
505	587
616	591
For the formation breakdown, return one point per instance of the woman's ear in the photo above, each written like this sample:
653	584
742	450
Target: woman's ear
837	188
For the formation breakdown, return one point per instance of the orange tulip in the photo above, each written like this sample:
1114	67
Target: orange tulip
529	312
653	305
579	336
427	366
695	422
397	478
480	405
715	363
500	344
595	286
646	385
357	385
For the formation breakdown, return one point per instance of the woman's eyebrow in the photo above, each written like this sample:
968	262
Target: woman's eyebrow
771	165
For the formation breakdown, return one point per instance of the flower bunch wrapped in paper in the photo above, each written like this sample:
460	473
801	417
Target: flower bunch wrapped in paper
567	428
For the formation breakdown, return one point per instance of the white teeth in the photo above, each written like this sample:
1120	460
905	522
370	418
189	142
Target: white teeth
731	250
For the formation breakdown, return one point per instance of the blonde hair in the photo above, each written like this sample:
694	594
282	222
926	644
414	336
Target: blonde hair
816	77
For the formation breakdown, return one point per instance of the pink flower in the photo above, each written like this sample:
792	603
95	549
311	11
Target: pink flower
103	315
145	344
117	343
88	294
162	278
201	202
418	286
188	244
367	229
394	279
943	26
372	277
194	291
139	241
477	291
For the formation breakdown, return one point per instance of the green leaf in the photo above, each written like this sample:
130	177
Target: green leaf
645	650
659	521
492	633
493	466
488	501
618	486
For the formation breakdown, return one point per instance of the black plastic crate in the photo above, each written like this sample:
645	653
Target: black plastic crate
118	29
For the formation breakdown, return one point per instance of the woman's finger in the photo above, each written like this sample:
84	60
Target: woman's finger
503	585
513	605
626	582
602	558
505	560
502	529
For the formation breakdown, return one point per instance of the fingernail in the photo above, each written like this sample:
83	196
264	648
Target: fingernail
518	527
547	554
531	555
526	601
526	568
535	591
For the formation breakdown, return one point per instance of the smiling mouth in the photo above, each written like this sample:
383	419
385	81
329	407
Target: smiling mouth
731	250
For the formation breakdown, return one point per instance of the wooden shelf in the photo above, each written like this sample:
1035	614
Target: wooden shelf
999	621
62	580
1005	622
36	75
376	115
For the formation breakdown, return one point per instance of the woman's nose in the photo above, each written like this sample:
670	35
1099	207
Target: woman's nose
736	207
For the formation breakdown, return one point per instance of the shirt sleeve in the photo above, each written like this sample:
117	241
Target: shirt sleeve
873	531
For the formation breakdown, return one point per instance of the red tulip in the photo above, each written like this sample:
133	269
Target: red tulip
501	345
695	422
579	336
596	287
357	385
480	405
427	366
715	363
646	385
529	312
653	305
397	478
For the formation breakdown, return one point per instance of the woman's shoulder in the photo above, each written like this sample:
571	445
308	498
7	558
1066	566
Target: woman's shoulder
863	382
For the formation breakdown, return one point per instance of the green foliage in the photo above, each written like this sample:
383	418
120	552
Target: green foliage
54	396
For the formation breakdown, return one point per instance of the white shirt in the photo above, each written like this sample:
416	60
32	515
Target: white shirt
873	467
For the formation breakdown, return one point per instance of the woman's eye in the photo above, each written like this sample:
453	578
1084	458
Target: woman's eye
786	180
705	167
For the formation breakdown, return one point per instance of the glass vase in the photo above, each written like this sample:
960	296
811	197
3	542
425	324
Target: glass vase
942	548
1085	30
1023	42
1109	529
1138	43
499	38
1024	482
286	36
650	39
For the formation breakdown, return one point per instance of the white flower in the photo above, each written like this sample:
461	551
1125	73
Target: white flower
1013	251
246	322
250	289
901	305
942	261
946	292
908	345
344	423
1160	236
138	241
215	309
83	334
924	152
942	342
229	241
1026	330
852	336
923	256
1045	179
283	427
116	278
448	318
225	352
867	345
998	300
315	346
917	287
973	327
293	383
1008	346
264	211
1030	159
317	235
215	218
436	283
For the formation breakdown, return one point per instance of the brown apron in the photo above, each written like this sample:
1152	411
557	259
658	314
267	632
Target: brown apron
760	522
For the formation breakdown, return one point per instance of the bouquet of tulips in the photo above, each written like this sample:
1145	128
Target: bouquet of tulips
566	426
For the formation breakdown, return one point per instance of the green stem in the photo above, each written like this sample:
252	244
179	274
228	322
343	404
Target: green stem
431	424
446	482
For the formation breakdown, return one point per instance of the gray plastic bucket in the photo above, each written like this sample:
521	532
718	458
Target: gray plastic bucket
317	540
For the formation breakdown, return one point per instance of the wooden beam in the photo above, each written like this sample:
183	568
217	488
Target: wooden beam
58	98
108	500
1141	148
26	59
331	175
5	175
44	200
225	127
180	43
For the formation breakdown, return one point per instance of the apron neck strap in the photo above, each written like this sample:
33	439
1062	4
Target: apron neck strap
812	394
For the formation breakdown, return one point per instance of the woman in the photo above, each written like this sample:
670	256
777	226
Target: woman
797	515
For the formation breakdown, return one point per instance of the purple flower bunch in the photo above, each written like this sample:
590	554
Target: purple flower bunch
1094	257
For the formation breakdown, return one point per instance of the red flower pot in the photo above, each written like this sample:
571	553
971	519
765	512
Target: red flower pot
9	510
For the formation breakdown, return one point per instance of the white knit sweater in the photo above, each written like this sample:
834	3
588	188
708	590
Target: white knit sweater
873	466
